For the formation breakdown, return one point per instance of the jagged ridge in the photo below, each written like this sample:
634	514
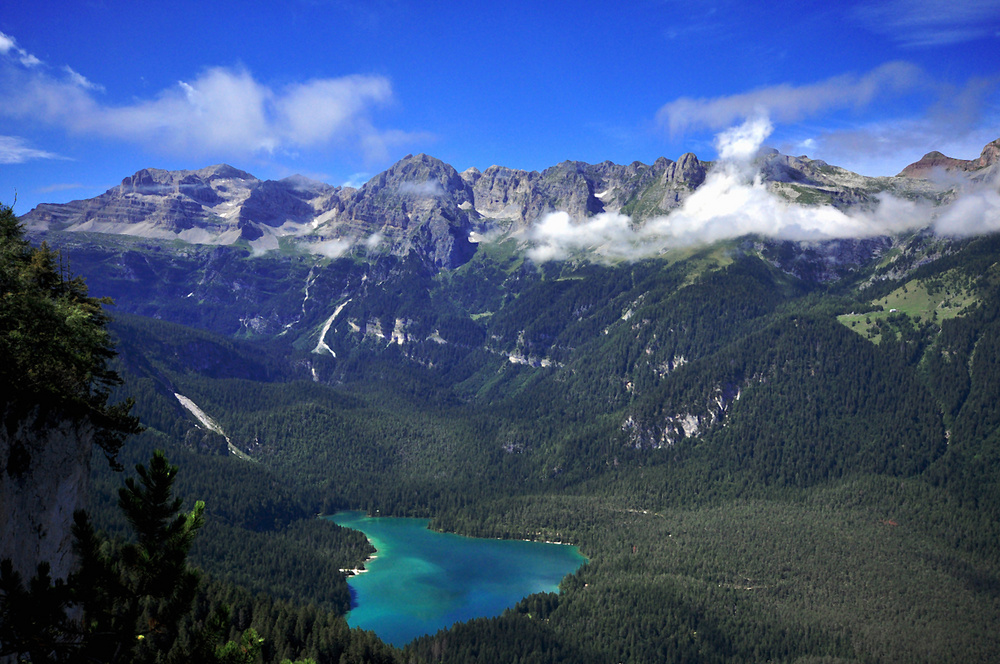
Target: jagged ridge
422	205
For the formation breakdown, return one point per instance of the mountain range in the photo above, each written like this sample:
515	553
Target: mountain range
423	205
773	441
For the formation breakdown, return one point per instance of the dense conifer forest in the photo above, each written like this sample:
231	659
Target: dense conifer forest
759	467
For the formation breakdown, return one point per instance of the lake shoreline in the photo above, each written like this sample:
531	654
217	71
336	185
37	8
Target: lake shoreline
428	580
361	570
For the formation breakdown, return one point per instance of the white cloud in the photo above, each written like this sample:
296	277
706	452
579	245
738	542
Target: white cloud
556	236
223	112
956	119
426	189
733	201
329	248
790	103
315	112
740	144
959	124
81	80
15	150
974	212
8	46
919	23
220	111
885	148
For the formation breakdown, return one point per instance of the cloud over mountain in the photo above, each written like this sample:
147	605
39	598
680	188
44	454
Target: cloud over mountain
790	103
976	212
222	111
958	117
735	201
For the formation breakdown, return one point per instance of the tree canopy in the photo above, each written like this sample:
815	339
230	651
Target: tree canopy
54	342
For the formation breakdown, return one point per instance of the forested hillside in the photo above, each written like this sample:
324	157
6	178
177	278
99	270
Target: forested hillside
124	592
768	448
342	332
758	465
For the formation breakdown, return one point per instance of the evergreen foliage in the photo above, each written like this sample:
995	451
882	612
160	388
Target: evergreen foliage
55	343
751	479
130	598
134	595
33	621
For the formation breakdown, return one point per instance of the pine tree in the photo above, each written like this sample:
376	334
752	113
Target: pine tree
54	343
134	595
33	620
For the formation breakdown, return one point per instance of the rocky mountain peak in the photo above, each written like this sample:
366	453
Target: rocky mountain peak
935	161
306	185
416	177
990	154
688	170
153	180
223	171
423	205
419	168
420	205
932	161
471	174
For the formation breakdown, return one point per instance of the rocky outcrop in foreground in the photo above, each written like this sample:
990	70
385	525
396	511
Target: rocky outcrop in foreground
44	474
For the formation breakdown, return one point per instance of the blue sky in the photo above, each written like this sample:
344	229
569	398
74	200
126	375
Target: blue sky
338	90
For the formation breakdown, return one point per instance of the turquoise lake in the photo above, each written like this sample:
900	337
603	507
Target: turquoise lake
421	581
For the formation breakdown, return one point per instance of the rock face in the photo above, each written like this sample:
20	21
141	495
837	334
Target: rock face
187	205
420	204
514	199
984	167
44	473
423	206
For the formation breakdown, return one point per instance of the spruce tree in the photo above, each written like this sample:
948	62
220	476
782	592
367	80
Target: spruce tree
54	343
134	595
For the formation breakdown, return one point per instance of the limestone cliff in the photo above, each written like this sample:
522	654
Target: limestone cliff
423	206
54	387
44	472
